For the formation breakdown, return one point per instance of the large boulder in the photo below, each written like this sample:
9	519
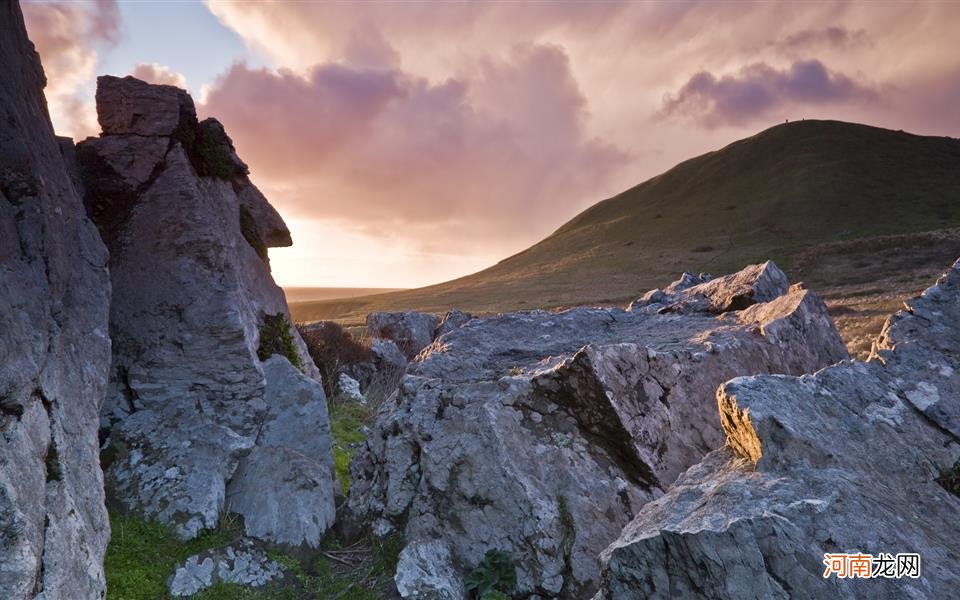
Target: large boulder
848	460
54	349
541	434
195	313
411	331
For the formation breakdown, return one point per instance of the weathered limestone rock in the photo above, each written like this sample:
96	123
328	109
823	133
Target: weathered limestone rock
241	563
540	434
842	461
194	312
348	389
452	319
756	283
54	349
411	331
379	377
131	106
283	487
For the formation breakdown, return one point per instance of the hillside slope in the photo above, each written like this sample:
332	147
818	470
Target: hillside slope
780	194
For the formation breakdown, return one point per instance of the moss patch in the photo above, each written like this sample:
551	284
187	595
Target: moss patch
276	338
346	428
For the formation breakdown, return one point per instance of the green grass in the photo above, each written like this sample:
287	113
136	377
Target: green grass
346	422
331	580
142	554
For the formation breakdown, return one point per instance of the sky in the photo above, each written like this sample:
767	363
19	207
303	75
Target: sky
410	143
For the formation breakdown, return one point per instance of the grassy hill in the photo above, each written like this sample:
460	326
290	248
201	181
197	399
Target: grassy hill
838	205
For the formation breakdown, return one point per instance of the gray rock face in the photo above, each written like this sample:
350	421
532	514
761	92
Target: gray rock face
54	349
283	488
241	563
379	377
756	283
411	331
842	461
189	400
348	389
131	106
540	434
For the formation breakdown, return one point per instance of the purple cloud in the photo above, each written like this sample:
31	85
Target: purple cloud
759	89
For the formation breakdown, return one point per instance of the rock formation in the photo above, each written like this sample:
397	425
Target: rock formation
411	331
54	349
846	460
241	563
541	434
214	403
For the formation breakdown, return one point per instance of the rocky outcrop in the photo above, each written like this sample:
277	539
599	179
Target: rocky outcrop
411	331
843	461
541	434
54	349
241	563
379	376
201	419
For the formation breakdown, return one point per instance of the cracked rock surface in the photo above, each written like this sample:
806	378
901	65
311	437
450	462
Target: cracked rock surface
191	409
842	461
541	434
54	349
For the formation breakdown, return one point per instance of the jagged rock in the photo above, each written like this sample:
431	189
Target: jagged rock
842	461
189	398
380	376
540	434
426	570
128	105
452	319
756	283
54	349
348	389
283	488
411	331
242	563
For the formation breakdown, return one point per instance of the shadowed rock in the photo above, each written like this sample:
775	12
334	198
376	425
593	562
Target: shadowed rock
540	434
54	349
842	461
411	331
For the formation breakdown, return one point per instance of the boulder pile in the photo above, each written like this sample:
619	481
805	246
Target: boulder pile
539	435
855	459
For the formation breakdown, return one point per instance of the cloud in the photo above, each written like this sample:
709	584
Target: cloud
156	73
759	90
492	156
834	36
67	35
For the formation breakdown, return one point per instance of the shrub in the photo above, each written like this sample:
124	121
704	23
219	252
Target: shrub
330	347
276	338
251	233
496	573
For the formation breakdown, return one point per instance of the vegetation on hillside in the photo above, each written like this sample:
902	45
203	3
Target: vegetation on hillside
780	194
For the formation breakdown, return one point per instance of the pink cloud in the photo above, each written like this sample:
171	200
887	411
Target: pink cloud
758	90
160	74
66	34
496	155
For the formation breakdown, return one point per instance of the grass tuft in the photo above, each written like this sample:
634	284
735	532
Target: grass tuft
347	420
